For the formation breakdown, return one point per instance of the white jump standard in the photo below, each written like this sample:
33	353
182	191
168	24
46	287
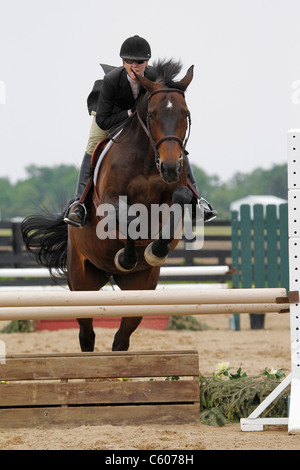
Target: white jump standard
253	422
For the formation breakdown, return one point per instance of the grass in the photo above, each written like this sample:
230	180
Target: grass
217	230
5	232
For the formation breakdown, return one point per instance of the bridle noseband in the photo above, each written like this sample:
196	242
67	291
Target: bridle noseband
148	131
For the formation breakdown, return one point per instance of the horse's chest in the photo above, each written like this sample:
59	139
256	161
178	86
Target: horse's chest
147	190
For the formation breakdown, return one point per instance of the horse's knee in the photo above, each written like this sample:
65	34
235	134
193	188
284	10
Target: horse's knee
182	195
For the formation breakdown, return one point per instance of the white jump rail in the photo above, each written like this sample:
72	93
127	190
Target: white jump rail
87	304
165	271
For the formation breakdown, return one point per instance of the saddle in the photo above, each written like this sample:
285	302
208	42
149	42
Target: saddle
98	150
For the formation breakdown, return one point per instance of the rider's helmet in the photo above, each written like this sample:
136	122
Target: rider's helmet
135	47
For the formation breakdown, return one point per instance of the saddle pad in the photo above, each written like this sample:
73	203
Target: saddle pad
102	155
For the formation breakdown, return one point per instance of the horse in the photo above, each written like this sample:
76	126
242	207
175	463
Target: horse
146	166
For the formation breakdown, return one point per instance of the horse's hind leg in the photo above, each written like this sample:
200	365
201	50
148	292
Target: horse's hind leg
144	280
86	277
94	279
86	334
127	327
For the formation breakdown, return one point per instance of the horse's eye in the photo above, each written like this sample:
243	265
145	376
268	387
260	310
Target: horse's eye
150	115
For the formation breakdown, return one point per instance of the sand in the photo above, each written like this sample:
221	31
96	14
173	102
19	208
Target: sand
253	350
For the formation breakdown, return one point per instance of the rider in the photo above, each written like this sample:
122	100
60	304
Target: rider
119	93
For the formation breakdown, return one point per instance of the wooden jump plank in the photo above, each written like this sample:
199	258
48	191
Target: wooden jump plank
115	392
42	390
92	366
86	415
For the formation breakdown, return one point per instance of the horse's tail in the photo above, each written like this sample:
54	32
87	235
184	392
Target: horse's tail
46	237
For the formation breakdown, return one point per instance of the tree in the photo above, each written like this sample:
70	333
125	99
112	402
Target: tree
49	188
260	182
52	188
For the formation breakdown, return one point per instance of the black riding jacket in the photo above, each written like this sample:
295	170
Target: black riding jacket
112	97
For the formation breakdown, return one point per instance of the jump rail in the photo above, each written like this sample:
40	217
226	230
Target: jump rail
164	271
45	305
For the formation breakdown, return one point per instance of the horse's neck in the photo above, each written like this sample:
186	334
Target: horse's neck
145	159
140	137
142	108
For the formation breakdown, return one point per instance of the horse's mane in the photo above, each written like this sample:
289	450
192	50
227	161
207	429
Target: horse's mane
166	71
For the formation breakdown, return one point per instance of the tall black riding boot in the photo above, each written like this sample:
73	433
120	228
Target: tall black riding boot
209	212
77	211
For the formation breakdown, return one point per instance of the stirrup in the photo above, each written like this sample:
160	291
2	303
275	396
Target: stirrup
207	207
69	221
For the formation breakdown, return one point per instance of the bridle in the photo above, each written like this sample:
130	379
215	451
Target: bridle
148	131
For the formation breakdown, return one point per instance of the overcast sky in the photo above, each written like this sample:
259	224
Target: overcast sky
244	97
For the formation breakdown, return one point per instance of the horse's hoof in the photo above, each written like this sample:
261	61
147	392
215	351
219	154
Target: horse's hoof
119	266
151	258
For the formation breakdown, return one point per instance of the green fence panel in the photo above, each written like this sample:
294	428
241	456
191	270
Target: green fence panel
259	249
235	248
272	247
259	245
284	246
235	236
246	251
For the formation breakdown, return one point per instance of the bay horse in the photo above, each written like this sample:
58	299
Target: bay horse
147	165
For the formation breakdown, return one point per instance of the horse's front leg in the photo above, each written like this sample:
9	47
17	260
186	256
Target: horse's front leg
126	258
156	252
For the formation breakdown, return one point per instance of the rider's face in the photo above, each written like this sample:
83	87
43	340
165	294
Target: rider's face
139	69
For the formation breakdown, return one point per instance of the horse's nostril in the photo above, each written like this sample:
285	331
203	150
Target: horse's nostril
170	171
170	166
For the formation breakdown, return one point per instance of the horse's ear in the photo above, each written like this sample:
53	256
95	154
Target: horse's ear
148	84
185	81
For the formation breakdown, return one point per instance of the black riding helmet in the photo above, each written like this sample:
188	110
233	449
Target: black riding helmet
135	47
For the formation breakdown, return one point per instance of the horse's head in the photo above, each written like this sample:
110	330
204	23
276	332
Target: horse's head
168	124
